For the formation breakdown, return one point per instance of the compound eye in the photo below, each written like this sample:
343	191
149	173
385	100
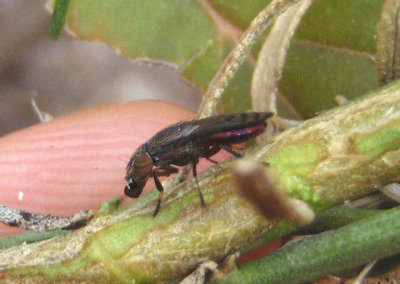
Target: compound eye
140	166
133	189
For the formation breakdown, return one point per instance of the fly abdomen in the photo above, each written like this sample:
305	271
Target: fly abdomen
238	135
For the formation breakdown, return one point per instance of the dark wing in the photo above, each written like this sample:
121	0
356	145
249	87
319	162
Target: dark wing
172	137
229	122
181	133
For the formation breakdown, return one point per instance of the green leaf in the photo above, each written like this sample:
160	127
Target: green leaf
314	75
349	25
332	54
171	30
239	12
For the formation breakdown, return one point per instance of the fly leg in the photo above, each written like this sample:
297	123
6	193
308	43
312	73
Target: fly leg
229	150
211	151
238	155
157	172
211	160
194	164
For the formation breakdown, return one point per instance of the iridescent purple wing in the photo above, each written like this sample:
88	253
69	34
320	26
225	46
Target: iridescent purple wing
231	122
227	125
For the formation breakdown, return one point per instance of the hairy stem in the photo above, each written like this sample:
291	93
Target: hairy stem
341	154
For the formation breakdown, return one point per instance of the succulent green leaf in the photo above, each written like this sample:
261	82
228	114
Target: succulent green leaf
332	54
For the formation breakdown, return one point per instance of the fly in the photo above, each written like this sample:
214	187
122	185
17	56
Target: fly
184	143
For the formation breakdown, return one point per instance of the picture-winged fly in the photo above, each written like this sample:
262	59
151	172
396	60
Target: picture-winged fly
184	143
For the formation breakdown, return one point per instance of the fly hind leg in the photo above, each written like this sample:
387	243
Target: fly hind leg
238	155
229	150
157	172
211	160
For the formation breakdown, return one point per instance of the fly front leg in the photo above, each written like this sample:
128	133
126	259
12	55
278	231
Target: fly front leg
194	164
157	172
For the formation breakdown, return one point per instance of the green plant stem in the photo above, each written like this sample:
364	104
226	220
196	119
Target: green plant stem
336	217
350	246
58	18
29	237
341	154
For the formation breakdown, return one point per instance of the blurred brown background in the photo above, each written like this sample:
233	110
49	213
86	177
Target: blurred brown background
69	74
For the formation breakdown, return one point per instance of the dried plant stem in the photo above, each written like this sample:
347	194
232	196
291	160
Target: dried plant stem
271	58
239	54
341	154
43	222
199	275
42	116
388	43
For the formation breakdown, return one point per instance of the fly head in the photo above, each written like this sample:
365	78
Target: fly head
138	170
